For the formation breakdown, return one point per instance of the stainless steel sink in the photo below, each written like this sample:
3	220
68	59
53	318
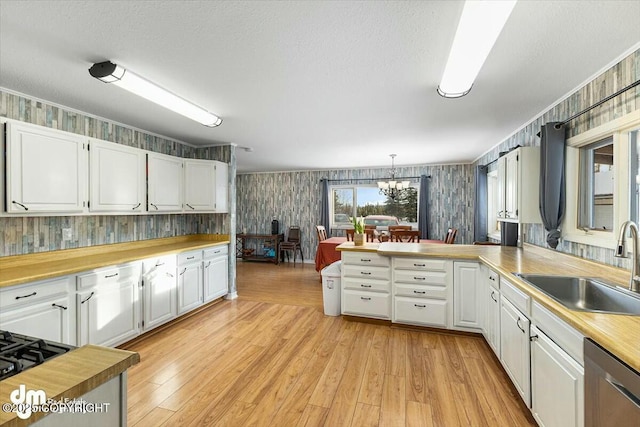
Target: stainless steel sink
586	294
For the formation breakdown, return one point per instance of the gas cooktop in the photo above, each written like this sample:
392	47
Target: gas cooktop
20	352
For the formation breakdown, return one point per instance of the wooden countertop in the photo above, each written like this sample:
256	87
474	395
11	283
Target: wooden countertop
620	334
18	269
69	376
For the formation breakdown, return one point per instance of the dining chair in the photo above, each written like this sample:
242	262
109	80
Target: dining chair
407	236
371	233
451	236
322	233
399	227
349	233
292	244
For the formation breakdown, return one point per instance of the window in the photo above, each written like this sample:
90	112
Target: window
597	181
493	225
634	175
365	200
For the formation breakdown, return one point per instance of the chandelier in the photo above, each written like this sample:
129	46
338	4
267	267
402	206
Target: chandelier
392	188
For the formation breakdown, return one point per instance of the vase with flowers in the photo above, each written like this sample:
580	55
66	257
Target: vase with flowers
358	231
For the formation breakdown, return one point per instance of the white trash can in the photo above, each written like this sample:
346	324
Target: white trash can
331	287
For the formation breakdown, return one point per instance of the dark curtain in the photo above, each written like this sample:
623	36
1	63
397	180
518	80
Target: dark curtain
423	207
324	204
552	181
481	207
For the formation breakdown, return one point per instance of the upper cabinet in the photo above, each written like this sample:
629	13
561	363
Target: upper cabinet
222	187
519	186
46	170
117	182
165	183
199	185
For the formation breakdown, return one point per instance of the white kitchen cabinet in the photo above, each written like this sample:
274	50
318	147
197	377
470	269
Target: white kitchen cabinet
46	170
222	187
189	281
159	291
421	288
215	272
44	309
515	347
492	325
467	307
518	186
165	183
557	384
199	185
108	305
117	178
369	291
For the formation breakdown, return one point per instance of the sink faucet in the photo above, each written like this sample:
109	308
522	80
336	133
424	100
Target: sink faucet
621	252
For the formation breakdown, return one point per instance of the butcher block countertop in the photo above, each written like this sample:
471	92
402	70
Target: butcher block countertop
67	376
18	269
620	334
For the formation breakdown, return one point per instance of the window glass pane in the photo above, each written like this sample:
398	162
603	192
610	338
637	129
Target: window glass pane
342	205
597	186
634	140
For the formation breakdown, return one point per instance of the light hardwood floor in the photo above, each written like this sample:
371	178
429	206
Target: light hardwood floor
271	358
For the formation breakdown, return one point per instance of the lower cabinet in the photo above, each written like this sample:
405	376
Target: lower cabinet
44	310
515	347
365	285
492	320
189	281
467	301
159	283
215	272
108	305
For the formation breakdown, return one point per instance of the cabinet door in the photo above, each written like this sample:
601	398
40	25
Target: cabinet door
49	319
118	179
557	384
46	170
492	298
199	181
189	287
215	278
466	295
165	183
515	348
222	187
109	314
159	293
511	184
502	179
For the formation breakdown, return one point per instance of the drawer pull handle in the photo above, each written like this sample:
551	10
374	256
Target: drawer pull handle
365	286
493	296
20	204
365	298
420	305
27	296
111	275
88	298
492	278
419	265
190	207
191	257
519	326
419	278
135	207
59	306
183	271
366	273
159	264
364	260
151	204
419	292
169	274
208	264
216	252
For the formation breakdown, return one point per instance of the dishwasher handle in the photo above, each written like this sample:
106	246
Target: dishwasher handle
626	393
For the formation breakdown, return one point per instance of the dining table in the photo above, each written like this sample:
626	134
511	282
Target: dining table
326	253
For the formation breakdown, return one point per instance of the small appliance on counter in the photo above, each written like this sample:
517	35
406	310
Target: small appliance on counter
275	226
20	352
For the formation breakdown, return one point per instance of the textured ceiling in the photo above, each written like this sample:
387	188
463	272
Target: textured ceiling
312	85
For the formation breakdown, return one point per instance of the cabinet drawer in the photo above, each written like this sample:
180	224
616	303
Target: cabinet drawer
424	291
420	277
420	311
420	264
560	332
365	272
368	304
494	279
25	294
163	263
189	257
516	297
364	258
108	275
367	285
221	250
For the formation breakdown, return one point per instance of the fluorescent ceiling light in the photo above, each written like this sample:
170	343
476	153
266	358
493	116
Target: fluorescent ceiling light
480	24
109	72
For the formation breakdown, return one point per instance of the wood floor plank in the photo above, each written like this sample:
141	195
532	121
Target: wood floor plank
393	408
396	361
415	371
371	390
440	392
366	415
155	418
237	414
313	416
419	415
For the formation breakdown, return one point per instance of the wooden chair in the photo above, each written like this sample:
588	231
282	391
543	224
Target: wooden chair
370	232
349	233
322	233
292	244
399	227
451	236
407	236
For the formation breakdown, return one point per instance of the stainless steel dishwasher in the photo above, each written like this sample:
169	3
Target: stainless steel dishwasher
611	388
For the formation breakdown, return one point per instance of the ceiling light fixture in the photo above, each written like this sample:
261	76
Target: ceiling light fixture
109	72
480	24
392	188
